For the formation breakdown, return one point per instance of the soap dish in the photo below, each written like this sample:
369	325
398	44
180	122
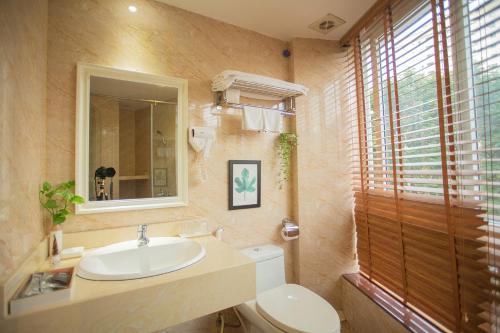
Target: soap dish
43	289
72	252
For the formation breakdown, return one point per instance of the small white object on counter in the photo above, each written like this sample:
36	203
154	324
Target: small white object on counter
218	232
72	252
55	244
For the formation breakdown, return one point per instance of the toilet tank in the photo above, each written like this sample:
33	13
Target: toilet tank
270	266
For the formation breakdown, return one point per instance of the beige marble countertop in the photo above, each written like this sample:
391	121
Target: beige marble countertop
223	278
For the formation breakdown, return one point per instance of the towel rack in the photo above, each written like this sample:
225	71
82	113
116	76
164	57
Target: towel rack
287	110
259	87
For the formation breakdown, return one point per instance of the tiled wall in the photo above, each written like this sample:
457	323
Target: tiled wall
104	139
164	40
23	75
323	199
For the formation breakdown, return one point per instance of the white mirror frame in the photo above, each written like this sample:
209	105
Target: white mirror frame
84	72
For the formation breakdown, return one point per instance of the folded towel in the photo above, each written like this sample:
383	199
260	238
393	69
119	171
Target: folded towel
252	119
273	122
226	79
233	96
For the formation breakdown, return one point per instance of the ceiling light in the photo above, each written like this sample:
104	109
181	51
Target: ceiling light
132	8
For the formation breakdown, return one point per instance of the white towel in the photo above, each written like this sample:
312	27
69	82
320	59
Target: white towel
252	119
272	121
226	79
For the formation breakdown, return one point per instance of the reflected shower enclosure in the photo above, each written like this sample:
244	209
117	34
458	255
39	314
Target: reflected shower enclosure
132	140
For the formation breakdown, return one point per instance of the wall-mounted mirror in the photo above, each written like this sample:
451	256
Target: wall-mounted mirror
131	140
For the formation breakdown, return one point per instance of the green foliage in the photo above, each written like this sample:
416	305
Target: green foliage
476	122
55	199
244	184
287	141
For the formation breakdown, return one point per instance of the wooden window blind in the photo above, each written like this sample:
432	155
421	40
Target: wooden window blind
423	93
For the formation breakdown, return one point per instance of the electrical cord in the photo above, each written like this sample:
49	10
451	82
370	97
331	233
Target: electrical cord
241	320
221	318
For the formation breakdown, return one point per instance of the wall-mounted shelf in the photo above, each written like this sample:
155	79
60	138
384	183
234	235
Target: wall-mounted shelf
138	177
258	87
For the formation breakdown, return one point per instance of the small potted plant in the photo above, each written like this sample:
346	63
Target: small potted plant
56	199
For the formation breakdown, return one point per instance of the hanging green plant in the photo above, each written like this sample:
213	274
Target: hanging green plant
286	143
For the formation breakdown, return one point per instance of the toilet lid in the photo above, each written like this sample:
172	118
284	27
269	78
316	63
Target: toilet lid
296	309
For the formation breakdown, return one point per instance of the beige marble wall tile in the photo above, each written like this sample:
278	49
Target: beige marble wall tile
23	76
142	152
322	184
127	149
165	40
104	140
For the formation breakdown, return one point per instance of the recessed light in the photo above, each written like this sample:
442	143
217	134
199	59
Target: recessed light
132	8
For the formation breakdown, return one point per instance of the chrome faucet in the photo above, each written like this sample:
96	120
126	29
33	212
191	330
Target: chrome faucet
142	239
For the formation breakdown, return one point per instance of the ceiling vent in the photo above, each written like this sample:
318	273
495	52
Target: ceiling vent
326	24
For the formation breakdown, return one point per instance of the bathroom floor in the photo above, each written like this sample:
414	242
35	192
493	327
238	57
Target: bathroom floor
206	324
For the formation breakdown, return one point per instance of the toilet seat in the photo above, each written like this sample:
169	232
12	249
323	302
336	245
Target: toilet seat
295	309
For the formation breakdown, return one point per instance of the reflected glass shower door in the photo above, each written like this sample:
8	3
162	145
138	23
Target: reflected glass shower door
164	147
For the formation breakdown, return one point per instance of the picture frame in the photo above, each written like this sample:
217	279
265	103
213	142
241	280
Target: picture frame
244	184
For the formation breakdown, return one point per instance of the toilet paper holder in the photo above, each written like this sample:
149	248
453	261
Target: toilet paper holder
290	230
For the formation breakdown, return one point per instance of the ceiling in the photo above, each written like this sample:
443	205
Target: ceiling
282	19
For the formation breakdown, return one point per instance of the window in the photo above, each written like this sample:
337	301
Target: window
423	90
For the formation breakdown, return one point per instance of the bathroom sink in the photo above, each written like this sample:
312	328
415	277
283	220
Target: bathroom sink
127	260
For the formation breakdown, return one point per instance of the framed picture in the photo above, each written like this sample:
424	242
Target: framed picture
244	184
160	177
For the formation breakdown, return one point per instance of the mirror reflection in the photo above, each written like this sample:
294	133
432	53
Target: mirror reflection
132	151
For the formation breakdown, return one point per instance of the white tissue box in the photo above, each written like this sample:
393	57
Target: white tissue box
72	252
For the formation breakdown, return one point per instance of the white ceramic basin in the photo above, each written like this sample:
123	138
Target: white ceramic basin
125	260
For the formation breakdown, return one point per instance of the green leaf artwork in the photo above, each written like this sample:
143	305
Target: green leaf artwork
244	184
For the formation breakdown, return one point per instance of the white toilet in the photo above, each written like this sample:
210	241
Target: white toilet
281	307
